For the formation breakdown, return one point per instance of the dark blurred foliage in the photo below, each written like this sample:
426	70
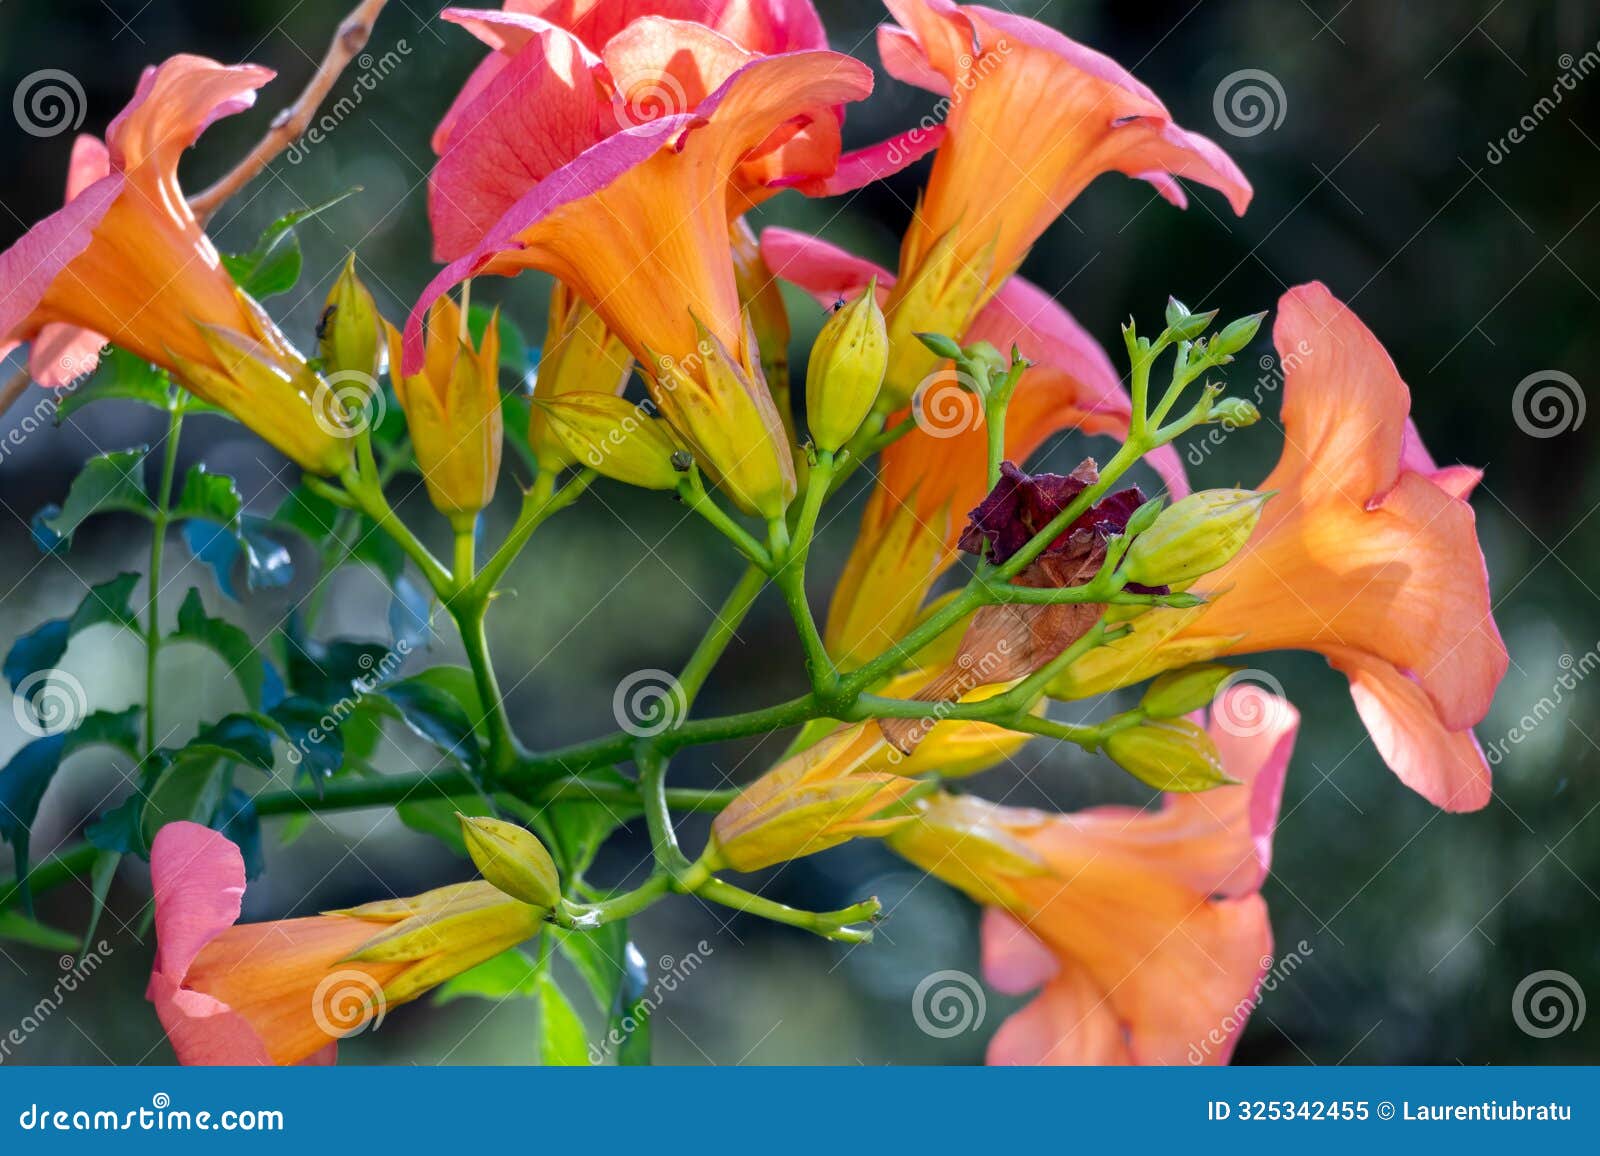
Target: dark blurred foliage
1379	180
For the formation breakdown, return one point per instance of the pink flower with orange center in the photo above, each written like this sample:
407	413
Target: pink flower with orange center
286	991
125	261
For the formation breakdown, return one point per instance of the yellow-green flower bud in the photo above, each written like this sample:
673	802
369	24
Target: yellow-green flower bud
1235	412
1168	754
1180	691
349	335
846	370
1194	536
512	858
614	437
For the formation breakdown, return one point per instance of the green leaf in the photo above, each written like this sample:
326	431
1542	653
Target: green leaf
561	1037
509	975
18	928
308	514
327	671
227	641
100	877
437	715
514	356
210	496
42	648
437	817
273	265
598	956
109	483
122	376
313	748
190	790
24	779
243	737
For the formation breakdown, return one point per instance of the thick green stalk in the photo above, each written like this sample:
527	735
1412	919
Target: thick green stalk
720	635
158	541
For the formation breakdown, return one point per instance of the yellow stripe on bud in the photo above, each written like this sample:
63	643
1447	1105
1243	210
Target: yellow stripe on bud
614	438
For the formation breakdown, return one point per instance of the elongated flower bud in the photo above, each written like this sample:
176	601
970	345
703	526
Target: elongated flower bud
846	370
350	333
512	858
580	356
452	408
1194	536
1169	754
614	438
1178	692
720	407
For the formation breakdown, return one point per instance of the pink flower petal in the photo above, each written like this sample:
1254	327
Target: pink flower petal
1014	962
197	878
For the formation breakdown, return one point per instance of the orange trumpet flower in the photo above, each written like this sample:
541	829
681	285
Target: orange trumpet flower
1145	929
1369	556
125	261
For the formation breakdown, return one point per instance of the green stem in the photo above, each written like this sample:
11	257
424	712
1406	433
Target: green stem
387	790
834	925
716	640
695	497
652	765
538	505
503	745
368	495
158	542
57	869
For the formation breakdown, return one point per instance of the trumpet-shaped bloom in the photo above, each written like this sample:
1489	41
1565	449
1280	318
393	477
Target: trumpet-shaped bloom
1144	929
285	992
1034	117
1368	555
931	477
125	261
849	783
636	222
452	410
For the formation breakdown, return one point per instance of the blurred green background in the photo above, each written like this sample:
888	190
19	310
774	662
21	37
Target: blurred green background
1477	266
